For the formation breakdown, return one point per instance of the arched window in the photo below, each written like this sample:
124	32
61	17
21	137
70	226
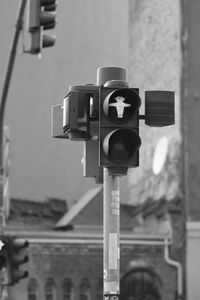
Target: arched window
50	289
32	289
67	289
99	289
141	282
85	290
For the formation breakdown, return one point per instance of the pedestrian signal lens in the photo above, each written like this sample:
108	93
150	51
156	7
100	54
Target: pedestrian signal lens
121	145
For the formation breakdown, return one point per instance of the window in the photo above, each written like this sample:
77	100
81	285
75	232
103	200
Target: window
67	289
141	282
32	289
85	290
50	289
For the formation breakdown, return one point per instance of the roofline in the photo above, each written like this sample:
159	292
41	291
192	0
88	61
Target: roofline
71	237
78	207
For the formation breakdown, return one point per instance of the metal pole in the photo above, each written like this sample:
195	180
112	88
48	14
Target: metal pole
111	209
3	100
111	204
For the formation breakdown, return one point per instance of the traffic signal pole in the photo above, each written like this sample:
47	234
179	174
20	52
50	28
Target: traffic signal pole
111	209
111	223
3	104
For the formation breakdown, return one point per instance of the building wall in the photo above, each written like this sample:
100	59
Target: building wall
156	61
193	264
191	146
191	108
72	256
155	64
78	262
164	54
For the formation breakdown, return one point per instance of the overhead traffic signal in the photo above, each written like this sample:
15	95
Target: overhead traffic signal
17	257
42	16
119	139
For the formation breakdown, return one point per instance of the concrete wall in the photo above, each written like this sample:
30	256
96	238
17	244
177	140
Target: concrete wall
89	34
155	64
190	111
164	54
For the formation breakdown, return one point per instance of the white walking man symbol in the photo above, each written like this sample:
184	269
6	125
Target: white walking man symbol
120	105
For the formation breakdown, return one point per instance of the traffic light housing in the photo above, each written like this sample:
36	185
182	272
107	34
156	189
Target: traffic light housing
76	116
159	108
80	113
17	257
81	123
119	139
42	16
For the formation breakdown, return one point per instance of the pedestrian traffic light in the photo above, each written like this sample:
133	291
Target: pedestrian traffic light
119	128
42	17
17	257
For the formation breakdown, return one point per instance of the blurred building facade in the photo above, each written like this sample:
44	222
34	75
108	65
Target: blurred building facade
164	49
66	246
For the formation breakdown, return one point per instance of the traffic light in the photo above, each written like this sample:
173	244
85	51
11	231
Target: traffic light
106	117
17	257
11	257
42	17
119	128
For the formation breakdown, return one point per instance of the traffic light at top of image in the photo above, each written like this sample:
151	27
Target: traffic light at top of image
119	127
42	17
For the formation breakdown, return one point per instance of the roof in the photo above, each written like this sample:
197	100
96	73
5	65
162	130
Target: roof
36	213
87	213
78	207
